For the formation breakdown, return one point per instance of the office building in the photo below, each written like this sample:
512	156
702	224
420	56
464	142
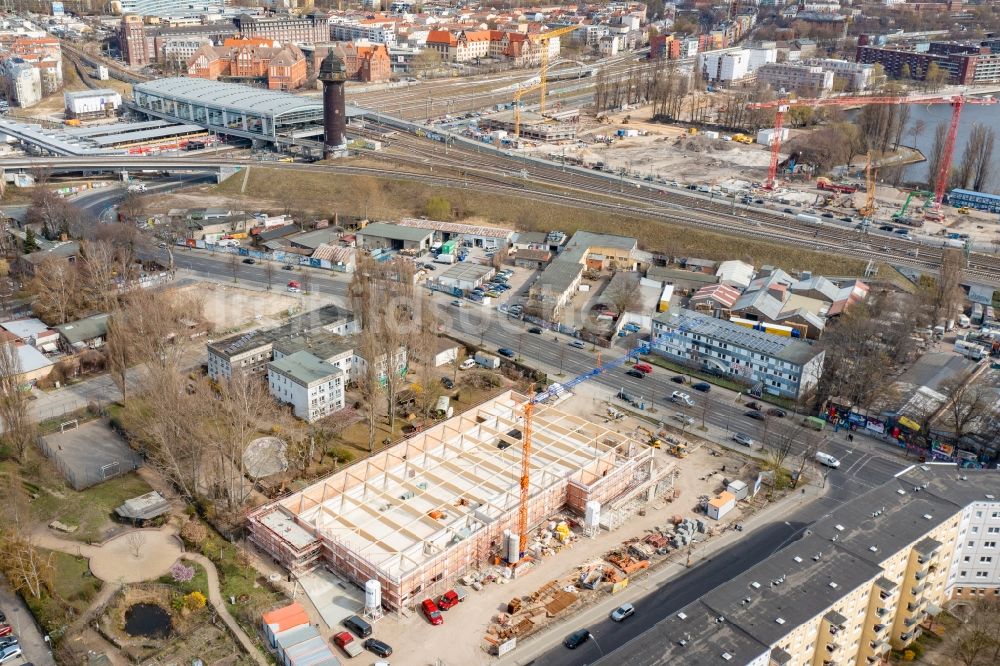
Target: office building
166	8
313	387
313	28
809	80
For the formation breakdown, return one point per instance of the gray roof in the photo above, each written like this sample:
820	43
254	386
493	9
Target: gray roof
76	332
395	232
145	135
762	301
308	321
829	290
558	276
741	618
234	96
321	344
466	270
982	294
87	94
313	239
64	250
30	359
538	237
304	368
581	242
25	328
144	507
665	274
792	350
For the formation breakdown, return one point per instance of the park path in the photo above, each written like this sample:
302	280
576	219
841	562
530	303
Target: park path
108	557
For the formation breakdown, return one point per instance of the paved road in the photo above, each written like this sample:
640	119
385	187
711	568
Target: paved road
860	471
34	647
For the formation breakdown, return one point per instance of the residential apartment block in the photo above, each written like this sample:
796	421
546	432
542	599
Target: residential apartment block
862	581
312	386
251	352
811	80
312	28
849	75
779	365
31	67
344	29
966	64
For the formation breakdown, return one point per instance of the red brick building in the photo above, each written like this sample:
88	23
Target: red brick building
282	68
364	62
136	50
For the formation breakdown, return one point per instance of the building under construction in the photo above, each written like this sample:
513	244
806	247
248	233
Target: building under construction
421	513
533	126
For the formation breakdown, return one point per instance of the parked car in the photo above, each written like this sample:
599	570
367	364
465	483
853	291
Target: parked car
358	626
288	267
451	598
622	612
10	653
447	383
886	227
754	414
7	641
535	330
378	647
678	379
635	373
788	210
506	352
702	386
753	404
467	364
431	612
829	215
740	438
775	411
430	267
576	639
645	368
457	303
579	344
684	418
6	630
249	260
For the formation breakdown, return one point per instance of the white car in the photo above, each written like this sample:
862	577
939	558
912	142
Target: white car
467	364
684	418
10	653
682	398
827	459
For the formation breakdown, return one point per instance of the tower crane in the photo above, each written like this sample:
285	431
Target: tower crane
543	40
529	408
781	107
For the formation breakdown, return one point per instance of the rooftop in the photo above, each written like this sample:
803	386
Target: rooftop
144	507
77	332
315	319
396	232
232	96
756	609
694	323
304	368
319	343
465	270
458	228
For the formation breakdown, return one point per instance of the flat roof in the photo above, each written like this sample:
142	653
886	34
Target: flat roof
813	574
395	232
466	270
304	368
241	342
458	228
146	135
695	323
465	470
234	96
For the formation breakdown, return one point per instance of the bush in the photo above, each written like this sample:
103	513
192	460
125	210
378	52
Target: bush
195	600
193	533
437	208
909	655
341	454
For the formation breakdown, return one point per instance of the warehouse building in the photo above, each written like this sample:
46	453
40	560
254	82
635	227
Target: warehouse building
864	580
385	236
421	513
465	276
472	235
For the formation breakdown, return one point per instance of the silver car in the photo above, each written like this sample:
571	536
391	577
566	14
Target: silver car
622	612
740	438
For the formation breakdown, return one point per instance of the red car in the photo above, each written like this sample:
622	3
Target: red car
431	612
5	630
450	599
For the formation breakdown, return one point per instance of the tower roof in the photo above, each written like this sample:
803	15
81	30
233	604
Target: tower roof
332	67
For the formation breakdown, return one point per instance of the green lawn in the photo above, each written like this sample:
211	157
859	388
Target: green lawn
73	590
90	510
199	582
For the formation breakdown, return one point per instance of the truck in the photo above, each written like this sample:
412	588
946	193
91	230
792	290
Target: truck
830	186
137	187
809	219
346	642
452	597
488	361
970	350
445	259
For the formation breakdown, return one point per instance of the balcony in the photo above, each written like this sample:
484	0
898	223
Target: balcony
881	611
905	637
879	645
917	589
832	647
916	604
914	619
921	574
879	628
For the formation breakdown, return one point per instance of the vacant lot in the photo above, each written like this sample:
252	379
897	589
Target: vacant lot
230	307
388	199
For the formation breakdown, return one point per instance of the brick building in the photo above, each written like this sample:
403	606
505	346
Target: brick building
312	28
133	43
966	64
283	68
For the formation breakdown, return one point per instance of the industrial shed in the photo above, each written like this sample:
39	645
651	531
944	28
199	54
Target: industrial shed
421	513
385	236
466	276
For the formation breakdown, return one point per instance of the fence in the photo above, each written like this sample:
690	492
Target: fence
81	474
277	256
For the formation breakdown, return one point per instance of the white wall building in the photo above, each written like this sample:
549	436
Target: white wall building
25	82
976	565
348	30
778	365
312	386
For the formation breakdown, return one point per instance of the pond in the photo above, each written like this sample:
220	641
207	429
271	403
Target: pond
149	620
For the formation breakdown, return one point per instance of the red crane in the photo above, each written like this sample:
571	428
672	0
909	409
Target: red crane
781	106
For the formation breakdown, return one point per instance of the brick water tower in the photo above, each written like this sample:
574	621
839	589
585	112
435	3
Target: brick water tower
333	73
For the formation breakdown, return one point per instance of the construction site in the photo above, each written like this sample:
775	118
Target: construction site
461	498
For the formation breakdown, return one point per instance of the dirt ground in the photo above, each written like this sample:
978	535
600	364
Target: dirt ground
230	308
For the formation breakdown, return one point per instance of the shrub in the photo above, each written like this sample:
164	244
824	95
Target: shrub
193	533
195	600
909	655
181	573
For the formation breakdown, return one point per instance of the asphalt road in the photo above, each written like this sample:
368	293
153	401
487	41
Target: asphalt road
859	471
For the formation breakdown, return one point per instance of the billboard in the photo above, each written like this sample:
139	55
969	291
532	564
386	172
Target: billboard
57	9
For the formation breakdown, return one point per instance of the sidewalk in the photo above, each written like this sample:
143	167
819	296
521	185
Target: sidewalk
531	648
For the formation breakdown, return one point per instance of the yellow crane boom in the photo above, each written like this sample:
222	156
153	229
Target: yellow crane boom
543	39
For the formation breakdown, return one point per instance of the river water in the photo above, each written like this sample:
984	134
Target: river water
934	114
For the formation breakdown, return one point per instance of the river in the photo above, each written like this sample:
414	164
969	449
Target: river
934	114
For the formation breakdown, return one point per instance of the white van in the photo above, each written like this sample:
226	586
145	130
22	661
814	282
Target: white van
827	459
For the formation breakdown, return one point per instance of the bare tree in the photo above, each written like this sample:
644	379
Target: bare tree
120	351
975	168
19	429
967	401
269	273
101	267
135	541
937	154
55	290
28	569
916	129
624	295
234	266
305	280
242	406
944	293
